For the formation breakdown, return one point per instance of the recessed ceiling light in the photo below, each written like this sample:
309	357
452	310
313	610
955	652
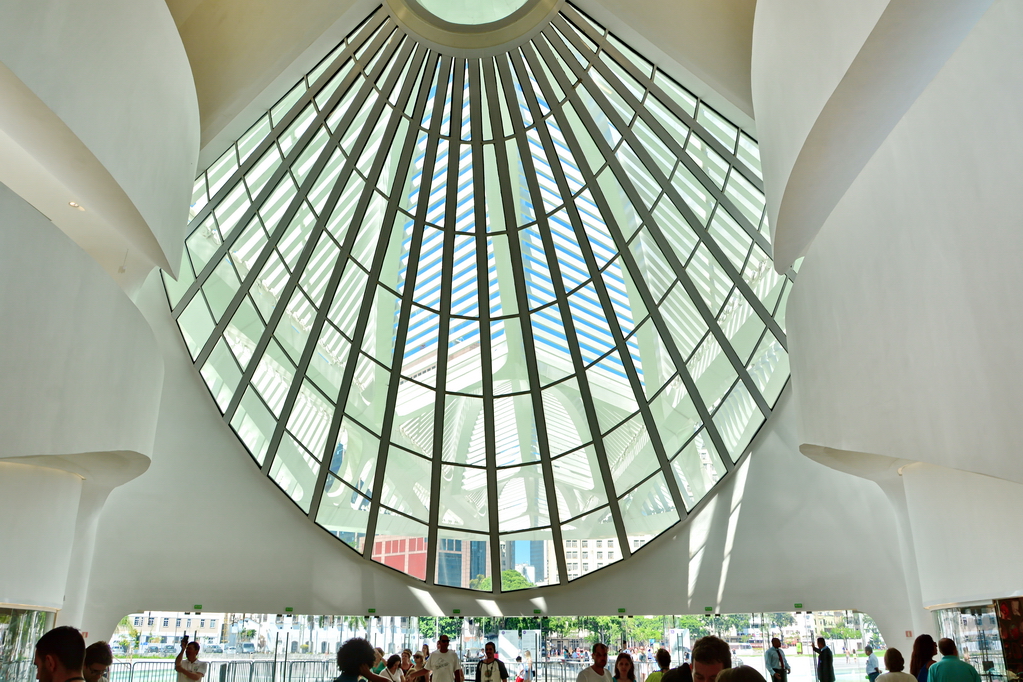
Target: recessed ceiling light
75	204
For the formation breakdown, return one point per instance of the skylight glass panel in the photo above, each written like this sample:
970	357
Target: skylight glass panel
467	311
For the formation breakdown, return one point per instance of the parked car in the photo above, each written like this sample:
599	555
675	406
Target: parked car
214	649
231	650
247	648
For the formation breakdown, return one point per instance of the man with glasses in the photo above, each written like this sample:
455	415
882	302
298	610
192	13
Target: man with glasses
442	664
98	657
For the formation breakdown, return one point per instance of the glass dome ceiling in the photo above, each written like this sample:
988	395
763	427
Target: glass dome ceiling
471	12
475	315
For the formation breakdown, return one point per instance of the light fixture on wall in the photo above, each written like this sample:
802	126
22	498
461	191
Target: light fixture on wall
75	205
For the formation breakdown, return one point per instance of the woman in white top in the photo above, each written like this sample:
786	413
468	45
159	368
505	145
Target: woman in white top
393	670
894	661
527	667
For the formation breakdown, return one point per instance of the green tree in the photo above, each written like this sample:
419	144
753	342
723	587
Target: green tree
642	629
130	635
842	632
452	627
697	625
562	626
779	620
510	580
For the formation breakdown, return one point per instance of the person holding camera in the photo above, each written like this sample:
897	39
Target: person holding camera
187	664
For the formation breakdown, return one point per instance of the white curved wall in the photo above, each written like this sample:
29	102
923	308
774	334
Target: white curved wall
830	80
904	325
39	507
965	528
116	74
218	533
81	371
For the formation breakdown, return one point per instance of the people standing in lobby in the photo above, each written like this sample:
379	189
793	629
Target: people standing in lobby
59	656
924	651
825	662
354	659
596	672
776	663
873	667
442	665
895	663
949	668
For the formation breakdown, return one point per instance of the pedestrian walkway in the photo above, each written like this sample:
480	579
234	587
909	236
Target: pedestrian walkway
803	668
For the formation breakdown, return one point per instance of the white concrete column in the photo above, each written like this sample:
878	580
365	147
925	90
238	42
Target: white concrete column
39	507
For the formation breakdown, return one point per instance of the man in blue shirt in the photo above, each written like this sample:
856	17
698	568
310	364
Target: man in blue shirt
873	667
775	662
950	668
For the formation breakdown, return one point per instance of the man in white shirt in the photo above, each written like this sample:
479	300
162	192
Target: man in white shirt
596	672
187	664
442	664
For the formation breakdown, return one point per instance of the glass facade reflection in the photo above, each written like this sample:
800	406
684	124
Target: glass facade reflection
20	629
466	312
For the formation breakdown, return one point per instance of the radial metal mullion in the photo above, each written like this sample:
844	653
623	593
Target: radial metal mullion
283	169
680	273
301	195
270	248
599	286
695	224
346	248
328	297
626	64
683	157
411	272
543	228
486	360
271	186
397	185
722	260
444	318
635	271
529	346
257	152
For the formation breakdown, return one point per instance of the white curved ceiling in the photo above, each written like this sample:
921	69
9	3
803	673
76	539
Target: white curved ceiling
238	48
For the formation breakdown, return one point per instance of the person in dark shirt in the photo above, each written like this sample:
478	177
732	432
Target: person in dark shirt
490	669
826	662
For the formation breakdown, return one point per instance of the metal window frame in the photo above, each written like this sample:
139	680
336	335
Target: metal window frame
379	42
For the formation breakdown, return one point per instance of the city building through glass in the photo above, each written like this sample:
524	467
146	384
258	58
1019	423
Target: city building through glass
477	314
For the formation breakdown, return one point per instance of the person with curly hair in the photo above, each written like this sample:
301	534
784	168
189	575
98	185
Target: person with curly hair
354	659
